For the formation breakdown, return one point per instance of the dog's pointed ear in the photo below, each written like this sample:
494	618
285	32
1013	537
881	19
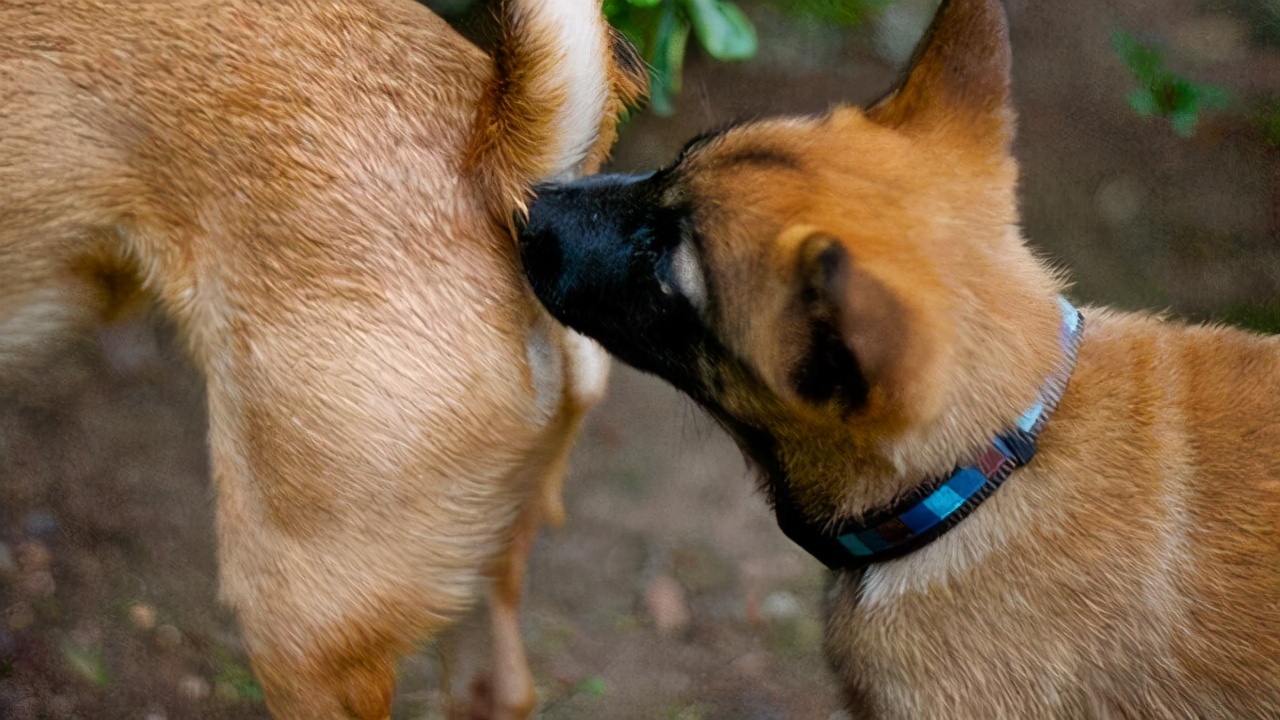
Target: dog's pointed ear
959	77
869	346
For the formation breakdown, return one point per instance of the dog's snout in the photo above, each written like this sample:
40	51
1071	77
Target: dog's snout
540	247
571	227
585	249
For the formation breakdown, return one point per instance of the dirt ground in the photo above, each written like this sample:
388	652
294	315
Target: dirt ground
670	594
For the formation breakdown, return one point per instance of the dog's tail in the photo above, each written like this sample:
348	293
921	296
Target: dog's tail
562	77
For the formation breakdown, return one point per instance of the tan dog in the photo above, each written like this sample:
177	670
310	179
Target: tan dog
319	194
851	297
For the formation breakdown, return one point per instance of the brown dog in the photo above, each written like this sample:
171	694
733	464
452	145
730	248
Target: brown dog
319	194
851	297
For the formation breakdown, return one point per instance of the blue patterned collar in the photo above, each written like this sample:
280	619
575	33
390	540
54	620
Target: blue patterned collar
926	514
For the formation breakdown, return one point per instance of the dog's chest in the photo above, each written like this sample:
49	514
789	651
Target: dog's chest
977	647
929	654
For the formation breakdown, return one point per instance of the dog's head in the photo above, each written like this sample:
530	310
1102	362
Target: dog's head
824	286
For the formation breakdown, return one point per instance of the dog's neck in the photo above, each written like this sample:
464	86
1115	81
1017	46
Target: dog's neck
929	509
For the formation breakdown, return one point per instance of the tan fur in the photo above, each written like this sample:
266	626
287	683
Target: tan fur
318	195
1132	569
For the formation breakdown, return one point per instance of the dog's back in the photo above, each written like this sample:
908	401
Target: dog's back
315	193
207	141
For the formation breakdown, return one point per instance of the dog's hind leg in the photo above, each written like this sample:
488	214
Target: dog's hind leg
512	692
512	695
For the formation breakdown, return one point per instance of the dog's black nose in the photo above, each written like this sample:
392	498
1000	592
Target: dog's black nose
576	244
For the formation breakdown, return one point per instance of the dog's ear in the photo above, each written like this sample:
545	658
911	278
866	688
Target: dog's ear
959	77
868	344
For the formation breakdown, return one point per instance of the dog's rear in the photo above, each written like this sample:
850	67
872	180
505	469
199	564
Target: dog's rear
318	195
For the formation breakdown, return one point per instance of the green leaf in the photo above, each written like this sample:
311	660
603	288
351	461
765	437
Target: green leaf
723	29
1265	118
1184	121
645	3
593	686
1143	61
242	681
1143	102
667	60
849	13
88	663
1162	92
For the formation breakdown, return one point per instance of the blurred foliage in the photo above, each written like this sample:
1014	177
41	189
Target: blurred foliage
87	663
241	681
1258	318
1161	92
594	686
661	29
1265	120
231	674
835	12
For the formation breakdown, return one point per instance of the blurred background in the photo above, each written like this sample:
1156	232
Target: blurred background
1150	148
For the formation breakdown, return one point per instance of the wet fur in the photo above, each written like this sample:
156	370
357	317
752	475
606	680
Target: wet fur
868	316
319	195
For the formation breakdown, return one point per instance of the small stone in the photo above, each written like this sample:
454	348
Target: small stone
33	555
193	688
41	524
168	637
142	615
665	601
155	716
7	565
780	605
1119	200
840	715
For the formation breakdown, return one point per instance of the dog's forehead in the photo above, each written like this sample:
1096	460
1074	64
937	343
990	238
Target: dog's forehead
777	141
744	171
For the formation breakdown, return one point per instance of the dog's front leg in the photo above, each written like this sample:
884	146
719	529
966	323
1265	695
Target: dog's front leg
318	654
326	685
